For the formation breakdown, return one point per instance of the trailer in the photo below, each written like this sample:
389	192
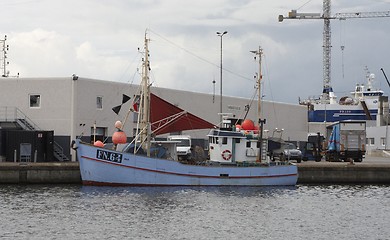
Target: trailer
346	141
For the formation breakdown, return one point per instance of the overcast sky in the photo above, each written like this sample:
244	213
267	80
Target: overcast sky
99	39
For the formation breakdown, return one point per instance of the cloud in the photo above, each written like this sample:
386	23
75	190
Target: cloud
99	39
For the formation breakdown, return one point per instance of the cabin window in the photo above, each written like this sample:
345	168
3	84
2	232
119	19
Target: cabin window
237	140
216	140
99	102
224	140
248	144
258	144
35	101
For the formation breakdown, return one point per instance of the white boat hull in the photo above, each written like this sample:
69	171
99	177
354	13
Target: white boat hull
99	166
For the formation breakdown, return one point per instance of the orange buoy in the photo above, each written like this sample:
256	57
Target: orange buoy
248	124
98	143
118	124
119	137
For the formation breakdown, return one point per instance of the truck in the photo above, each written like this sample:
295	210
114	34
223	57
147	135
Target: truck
183	146
346	141
313	149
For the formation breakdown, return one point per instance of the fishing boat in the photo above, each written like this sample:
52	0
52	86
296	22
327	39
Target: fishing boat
237	152
362	104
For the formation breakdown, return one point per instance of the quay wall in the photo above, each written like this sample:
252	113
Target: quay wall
343	173
309	173
39	173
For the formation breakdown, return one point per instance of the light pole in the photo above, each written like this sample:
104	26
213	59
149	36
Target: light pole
220	107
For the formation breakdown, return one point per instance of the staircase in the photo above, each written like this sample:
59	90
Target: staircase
58	152
26	125
13	114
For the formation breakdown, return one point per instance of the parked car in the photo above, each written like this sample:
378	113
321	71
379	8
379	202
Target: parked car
285	151
291	152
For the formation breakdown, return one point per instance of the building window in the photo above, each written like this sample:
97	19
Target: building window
98	133
35	101
99	102
383	141
371	141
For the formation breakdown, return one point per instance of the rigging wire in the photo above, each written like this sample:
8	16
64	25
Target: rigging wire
199	57
304	4
267	74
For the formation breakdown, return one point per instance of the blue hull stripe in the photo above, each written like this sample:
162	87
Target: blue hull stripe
339	115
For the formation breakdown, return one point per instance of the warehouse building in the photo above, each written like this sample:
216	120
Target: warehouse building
59	110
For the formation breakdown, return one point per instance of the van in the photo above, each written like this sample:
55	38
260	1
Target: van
183	147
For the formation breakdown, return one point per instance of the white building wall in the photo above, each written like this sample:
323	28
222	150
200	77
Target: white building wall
69	106
378	138
54	110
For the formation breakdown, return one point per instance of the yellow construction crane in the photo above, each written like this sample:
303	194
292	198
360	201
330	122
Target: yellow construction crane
328	95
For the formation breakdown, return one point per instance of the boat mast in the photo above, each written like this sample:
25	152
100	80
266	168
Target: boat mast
145	101
259	53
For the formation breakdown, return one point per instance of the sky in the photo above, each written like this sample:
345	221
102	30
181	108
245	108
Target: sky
99	39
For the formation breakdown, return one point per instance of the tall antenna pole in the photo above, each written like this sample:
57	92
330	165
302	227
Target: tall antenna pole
4	49
220	107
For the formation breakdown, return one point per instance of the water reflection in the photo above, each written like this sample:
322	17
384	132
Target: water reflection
85	212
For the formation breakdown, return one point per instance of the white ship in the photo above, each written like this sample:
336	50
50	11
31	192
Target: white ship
362	104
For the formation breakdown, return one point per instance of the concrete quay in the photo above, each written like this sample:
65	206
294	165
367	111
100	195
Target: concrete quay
367	172
343	173
40	173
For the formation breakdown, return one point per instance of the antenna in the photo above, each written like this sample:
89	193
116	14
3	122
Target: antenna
214	90
3	57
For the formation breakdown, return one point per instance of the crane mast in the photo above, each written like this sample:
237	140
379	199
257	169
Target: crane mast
327	92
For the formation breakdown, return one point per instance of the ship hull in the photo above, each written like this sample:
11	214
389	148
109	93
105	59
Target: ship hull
340	113
100	166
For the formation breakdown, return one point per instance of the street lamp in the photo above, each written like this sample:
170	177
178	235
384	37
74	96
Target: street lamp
220	107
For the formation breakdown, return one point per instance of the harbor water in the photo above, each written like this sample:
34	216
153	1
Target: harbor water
302	212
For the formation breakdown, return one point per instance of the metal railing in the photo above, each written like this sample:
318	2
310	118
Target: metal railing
14	114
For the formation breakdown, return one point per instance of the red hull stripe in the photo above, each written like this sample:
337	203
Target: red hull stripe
94	183
187	175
